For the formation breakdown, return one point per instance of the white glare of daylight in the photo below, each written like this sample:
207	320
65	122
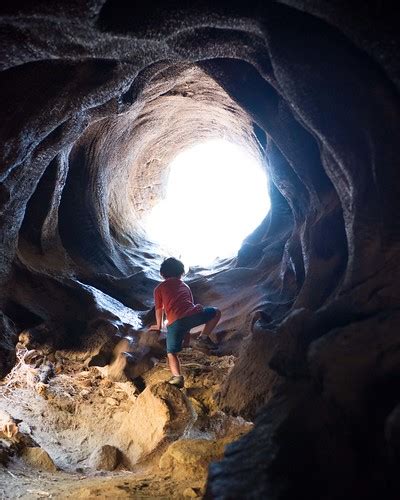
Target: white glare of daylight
216	195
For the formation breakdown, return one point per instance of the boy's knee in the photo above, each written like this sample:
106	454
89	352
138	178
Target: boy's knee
217	313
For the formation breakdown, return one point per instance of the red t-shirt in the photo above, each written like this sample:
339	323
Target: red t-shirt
176	298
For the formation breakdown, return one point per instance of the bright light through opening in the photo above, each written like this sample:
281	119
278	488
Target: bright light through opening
216	195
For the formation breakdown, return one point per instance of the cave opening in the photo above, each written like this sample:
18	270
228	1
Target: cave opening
184	140
216	195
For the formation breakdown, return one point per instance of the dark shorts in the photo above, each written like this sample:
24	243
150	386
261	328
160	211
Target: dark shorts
178	329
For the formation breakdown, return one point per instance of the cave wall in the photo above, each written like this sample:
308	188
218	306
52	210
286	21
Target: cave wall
319	364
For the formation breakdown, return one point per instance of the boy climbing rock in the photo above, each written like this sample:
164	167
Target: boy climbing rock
175	298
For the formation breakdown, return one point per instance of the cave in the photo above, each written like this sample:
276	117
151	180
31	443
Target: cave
300	398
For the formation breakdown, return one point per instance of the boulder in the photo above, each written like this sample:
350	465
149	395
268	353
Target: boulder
105	458
38	458
161	413
191	456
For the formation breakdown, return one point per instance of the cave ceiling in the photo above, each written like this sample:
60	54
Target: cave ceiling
99	96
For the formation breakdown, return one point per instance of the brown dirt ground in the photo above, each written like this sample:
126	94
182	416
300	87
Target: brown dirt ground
71	415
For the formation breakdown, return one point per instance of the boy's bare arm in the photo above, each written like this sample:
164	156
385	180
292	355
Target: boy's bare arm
159	318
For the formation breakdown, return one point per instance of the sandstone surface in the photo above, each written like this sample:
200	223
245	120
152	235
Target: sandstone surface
105	458
38	458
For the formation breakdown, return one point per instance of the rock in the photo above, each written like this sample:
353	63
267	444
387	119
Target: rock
41	389
24	428
161	413
8	426
197	406
38	458
112	402
105	458
392	432
191	492
127	388
58	368
369	353
4	455
245	395
86	382
106	383
191	456
33	357
14	434
46	372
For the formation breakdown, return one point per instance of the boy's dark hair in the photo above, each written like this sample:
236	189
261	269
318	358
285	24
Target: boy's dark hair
172	268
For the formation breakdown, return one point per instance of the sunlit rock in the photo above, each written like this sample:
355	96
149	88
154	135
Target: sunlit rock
191	456
161	413
39	459
105	458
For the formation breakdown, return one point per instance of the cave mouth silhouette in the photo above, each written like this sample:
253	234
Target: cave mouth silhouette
216	195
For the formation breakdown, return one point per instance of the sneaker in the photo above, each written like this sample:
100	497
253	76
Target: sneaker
177	381
205	343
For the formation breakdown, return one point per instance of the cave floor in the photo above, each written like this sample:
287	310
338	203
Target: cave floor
80	409
19	481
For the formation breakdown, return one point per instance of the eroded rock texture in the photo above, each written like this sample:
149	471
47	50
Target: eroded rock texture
97	97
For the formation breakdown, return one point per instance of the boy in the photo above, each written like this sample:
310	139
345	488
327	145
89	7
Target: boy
175	298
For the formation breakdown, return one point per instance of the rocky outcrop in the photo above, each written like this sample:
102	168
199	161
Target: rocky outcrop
15	442
191	456
97	97
161	413
105	458
38	458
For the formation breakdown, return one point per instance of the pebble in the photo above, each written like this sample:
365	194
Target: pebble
112	402
24	428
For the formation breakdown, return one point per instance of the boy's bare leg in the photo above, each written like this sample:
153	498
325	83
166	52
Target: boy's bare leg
174	364
210	325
